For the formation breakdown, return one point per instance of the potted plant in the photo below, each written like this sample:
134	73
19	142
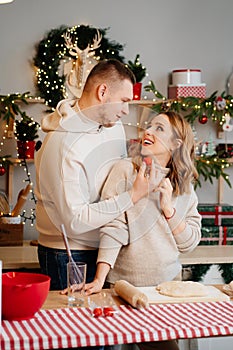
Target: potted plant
140	72
26	131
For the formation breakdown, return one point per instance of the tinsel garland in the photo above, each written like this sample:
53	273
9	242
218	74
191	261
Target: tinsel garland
52	49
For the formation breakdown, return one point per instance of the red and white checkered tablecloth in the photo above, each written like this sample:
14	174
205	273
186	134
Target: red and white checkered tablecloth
75	327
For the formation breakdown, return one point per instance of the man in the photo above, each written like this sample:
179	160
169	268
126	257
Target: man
84	139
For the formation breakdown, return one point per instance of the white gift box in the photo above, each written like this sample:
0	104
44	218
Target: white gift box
186	76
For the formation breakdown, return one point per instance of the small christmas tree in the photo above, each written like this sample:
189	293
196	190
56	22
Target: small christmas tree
210	146
137	68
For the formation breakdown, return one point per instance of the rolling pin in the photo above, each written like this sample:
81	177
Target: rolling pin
22	197
131	294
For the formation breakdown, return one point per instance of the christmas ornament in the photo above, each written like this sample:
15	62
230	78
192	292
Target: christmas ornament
220	103
77	69
203	119
227	126
2	170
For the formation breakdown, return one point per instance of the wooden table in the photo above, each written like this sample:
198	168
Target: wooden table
56	326
26	256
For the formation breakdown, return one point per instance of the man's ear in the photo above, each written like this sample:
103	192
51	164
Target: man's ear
101	92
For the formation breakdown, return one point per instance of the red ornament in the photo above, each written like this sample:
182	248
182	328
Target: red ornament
2	170
203	119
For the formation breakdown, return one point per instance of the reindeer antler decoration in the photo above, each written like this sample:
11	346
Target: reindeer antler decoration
77	73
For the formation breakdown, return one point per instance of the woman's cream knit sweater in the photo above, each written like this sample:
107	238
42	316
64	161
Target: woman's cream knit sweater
139	245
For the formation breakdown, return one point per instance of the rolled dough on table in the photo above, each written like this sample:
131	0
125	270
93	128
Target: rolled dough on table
182	289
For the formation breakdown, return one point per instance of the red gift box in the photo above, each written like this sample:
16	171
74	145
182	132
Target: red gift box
186	90
220	235
216	215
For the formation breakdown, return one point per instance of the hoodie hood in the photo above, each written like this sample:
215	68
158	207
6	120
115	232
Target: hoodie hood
68	117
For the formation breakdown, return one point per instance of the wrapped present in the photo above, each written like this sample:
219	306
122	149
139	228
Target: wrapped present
186	76
224	150
227	235
216	235
11	234
216	215
186	90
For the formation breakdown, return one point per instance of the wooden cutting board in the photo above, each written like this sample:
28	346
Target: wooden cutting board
155	297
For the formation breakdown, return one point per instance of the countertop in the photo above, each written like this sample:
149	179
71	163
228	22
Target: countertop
17	257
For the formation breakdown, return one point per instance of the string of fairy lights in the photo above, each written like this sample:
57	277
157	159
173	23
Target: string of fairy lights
24	215
10	109
30	217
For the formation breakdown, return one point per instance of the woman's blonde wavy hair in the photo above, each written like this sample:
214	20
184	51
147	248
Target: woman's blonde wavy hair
182	162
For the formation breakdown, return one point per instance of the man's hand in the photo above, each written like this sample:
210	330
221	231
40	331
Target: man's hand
93	287
144	183
64	291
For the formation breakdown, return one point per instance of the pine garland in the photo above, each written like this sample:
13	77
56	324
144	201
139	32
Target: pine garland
9	106
214	107
199	271
226	272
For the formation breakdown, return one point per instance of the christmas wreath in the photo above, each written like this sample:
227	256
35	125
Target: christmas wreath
65	49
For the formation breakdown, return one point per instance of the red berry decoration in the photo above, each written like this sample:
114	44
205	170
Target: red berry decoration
203	119
2	170
109	311
97	312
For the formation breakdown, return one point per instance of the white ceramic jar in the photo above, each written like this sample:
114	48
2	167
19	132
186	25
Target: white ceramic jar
10	219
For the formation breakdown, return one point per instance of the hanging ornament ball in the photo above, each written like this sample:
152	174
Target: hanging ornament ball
203	119
2	170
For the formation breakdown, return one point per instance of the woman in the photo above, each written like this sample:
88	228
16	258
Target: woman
143	245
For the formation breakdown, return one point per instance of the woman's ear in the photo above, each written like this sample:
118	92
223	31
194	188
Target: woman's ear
176	144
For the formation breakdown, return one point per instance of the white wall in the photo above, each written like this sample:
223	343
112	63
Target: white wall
167	34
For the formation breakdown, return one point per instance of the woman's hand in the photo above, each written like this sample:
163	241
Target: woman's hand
165	188
93	287
169	212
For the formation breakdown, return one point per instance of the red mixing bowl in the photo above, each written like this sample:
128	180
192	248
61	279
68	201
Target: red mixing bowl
23	294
